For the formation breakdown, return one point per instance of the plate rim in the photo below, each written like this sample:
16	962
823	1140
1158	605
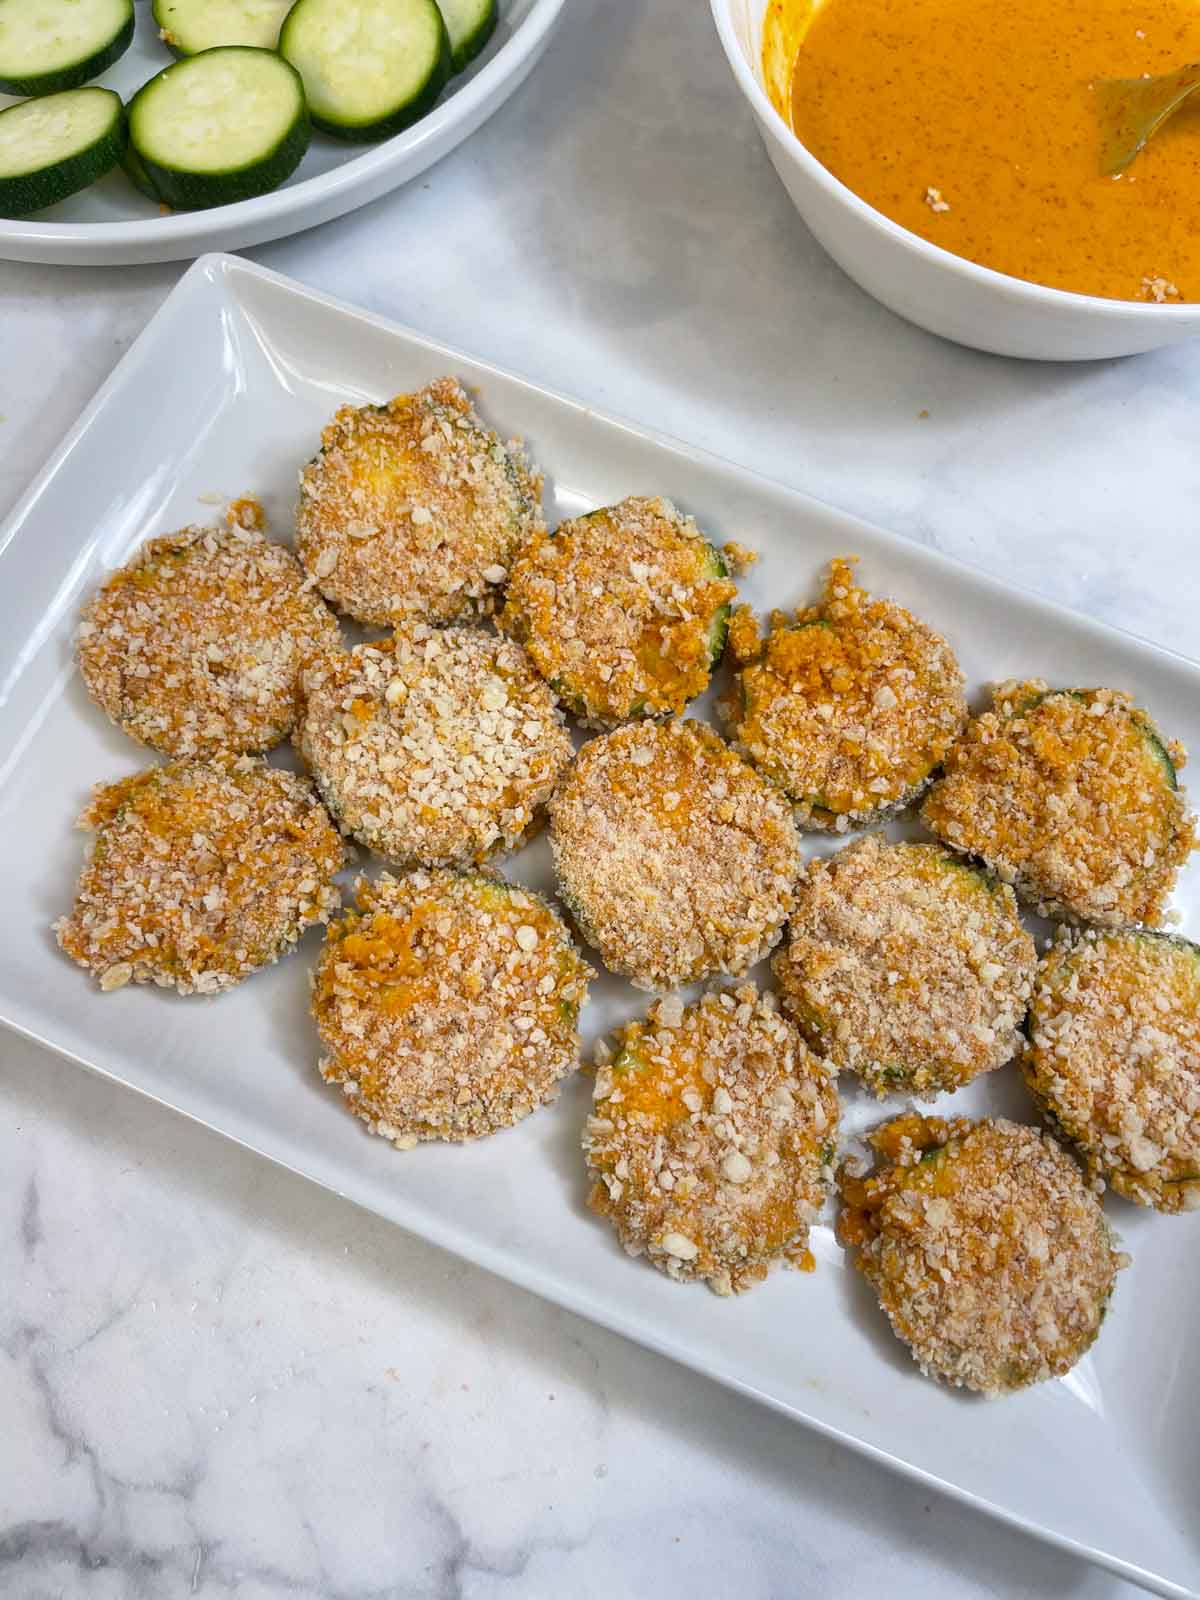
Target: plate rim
282	211
217	273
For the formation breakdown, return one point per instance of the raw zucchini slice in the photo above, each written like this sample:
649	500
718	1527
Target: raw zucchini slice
56	145
370	67
50	45
189	26
224	125
470	24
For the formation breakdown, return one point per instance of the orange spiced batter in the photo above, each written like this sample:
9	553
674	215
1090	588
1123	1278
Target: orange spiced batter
975	124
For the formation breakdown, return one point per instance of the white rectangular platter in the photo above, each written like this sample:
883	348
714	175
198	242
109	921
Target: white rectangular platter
225	393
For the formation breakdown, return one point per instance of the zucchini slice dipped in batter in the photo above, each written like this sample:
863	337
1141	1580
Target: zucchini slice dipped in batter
906	966
1114	1059
1071	796
198	643
436	747
989	1253
414	509
711	1139
675	857
850	706
200	872
448	1004
623	611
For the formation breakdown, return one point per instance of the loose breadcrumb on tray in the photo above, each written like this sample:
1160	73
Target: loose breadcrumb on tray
198	643
1072	797
849	705
1114	1059
675	857
906	966
623	611
200	872
711	1139
447	1004
414	509
435	746
989	1254
739	558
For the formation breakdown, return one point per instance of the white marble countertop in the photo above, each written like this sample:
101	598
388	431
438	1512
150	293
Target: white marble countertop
216	1379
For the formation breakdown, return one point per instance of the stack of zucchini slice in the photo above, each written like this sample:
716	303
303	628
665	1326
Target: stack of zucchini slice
232	118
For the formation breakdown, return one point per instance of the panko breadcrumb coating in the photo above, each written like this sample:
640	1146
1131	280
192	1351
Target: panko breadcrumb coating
448	1005
1114	1060
437	746
676	858
712	1138
197	645
624	611
906	966
199	873
414	508
849	706
1071	796
989	1254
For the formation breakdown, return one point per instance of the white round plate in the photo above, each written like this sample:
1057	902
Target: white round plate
112	224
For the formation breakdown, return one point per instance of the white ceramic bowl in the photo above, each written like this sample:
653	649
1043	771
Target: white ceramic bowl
110	224
931	287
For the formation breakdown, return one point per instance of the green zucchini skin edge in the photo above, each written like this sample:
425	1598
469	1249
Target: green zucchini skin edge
131	165
476	42
718	628
73	77
34	191
1140	720
404	117
197	191
164	36
718	634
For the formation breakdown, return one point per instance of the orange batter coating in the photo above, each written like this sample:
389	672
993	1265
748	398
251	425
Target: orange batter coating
849	706
624	611
200	872
989	1254
448	1005
1071	796
1114	1060
906	966
197	645
414	509
712	1138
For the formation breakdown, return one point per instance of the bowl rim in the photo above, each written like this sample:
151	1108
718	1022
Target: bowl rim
465	101
935	255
